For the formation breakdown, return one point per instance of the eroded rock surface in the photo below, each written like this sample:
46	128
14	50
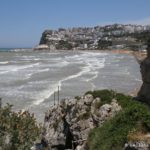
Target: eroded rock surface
68	124
144	93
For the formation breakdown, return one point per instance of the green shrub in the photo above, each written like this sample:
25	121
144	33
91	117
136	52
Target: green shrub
97	105
105	95
113	134
18	131
77	97
64	45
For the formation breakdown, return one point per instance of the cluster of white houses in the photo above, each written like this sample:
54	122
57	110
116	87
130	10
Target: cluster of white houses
87	38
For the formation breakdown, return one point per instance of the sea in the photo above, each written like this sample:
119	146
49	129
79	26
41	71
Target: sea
29	79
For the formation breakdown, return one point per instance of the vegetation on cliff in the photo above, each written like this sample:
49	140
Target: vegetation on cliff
18	130
64	45
114	36
114	133
104	44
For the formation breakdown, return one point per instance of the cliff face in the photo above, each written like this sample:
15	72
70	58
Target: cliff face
144	93
106	37
67	125
45	35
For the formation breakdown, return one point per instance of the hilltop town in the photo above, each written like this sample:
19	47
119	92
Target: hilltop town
116	36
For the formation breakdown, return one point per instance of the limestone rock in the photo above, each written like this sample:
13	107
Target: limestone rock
144	93
80	147
88	99
137	146
115	106
71	121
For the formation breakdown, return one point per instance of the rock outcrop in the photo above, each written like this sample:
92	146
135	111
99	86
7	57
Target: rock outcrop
138	141
68	124
98	37
144	93
48	40
42	47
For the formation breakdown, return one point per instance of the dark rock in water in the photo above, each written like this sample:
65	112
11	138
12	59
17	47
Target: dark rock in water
144	93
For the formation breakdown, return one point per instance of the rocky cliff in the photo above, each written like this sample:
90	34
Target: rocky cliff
101	119
114	36
144	93
67	125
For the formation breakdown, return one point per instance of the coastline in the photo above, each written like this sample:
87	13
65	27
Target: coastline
80	71
87	118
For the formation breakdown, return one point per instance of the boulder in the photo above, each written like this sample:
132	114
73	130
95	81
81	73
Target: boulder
80	147
94	104
88	99
96	100
115	106
105	108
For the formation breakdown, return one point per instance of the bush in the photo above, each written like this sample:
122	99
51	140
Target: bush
106	96
64	45
113	134
103	44
18	131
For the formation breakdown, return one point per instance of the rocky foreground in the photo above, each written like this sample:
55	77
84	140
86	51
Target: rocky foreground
67	125
70	124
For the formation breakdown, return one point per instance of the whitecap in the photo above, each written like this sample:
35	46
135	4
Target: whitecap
43	95
13	68
4	62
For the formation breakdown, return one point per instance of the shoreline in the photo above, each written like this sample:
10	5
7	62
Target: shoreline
89	56
140	55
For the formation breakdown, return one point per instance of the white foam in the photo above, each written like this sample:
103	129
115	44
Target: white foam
13	68
92	64
45	94
4	62
21	50
95	75
36	59
88	68
43	70
72	57
29	75
50	91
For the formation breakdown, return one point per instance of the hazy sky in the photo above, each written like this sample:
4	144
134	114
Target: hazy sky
23	21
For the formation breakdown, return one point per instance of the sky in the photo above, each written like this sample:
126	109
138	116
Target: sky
23	21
